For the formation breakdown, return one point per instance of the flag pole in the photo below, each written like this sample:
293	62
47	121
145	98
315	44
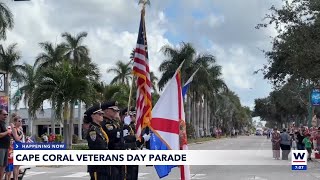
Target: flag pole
130	94
143	2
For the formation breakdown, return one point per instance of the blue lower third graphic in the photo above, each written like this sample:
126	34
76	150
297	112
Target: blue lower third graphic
299	167
39	146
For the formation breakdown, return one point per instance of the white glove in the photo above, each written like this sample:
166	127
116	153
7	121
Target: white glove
125	132
118	134
146	137
127	120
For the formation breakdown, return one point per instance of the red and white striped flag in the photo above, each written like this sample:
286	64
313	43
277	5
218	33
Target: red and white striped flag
141	70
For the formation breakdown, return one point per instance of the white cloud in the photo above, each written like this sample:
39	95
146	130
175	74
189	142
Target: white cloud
112	28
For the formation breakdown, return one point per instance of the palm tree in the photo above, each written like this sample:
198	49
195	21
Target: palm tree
8	63
6	20
154	80
123	73
78	55
169	66
75	51
206	82
61	85
29	76
51	55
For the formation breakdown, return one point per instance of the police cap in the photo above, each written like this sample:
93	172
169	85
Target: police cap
92	110
131	112
110	105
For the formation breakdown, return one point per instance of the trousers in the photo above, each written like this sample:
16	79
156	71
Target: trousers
98	176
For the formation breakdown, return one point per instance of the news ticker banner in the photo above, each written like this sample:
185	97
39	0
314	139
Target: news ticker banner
145	157
39	146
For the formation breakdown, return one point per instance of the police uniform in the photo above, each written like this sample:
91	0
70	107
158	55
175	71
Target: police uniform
113	129
97	140
130	143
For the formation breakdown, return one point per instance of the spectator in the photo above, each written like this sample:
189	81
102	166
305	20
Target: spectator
45	138
308	145
4	141
285	144
300	137
10	168
18	137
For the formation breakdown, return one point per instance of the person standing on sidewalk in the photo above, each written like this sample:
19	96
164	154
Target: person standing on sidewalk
285	144
308	145
4	142
276	143
300	137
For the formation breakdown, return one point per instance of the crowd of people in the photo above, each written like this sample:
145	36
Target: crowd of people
293	138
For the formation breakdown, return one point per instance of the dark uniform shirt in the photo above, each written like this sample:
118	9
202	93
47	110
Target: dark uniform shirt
112	128
97	140
129	136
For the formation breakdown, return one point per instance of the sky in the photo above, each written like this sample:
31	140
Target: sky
223	28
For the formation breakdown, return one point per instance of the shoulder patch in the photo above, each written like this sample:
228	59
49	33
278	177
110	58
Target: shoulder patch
93	135
109	127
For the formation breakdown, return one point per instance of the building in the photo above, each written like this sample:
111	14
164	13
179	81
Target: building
43	122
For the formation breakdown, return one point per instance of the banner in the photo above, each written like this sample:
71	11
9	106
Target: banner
146	157
4	103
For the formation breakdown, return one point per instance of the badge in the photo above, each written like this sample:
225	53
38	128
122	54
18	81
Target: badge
93	135
109	127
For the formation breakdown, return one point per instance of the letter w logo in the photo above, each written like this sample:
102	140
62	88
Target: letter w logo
298	155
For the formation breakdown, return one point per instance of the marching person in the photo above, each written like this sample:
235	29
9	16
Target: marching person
97	140
130	140
112	126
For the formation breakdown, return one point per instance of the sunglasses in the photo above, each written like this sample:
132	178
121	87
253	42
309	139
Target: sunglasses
5	114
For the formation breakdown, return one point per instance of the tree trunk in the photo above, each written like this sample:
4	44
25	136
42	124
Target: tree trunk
198	118
201	116
71	129
189	105
7	92
53	121
66	124
206	115
29	130
194	116
80	120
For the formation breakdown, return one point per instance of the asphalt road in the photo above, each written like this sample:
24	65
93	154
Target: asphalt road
282	171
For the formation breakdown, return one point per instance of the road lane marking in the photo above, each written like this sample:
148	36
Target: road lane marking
198	176
78	174
32	173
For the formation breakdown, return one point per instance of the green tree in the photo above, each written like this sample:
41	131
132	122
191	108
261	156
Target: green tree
6	20
123	73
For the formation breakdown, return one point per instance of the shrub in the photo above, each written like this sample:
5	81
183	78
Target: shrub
38	139
80	147
75	139
59	138
190	130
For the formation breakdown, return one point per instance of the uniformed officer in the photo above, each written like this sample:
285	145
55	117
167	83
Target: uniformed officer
112	126
130	141
97	140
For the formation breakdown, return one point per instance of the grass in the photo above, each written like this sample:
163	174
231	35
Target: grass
202	139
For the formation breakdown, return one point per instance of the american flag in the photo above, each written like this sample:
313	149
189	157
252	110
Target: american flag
141	70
